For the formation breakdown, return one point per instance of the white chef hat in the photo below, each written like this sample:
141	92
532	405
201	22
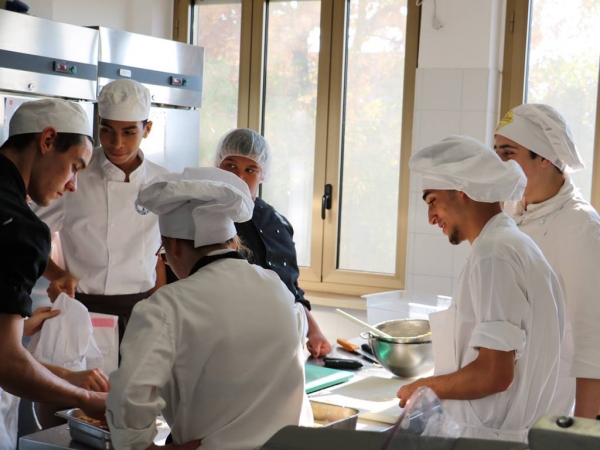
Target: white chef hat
464	164
543	130
249	144
64	116
200	204
124	100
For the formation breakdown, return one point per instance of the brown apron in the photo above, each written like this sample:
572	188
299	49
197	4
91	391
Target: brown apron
116	305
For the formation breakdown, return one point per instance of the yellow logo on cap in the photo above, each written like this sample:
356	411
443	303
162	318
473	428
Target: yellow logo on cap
508	118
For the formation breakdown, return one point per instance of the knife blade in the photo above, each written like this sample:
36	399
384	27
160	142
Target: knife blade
353	348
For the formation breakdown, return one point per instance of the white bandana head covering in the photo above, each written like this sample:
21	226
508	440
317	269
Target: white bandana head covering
249	144
543	130
464	164
200	204
64	116
125	101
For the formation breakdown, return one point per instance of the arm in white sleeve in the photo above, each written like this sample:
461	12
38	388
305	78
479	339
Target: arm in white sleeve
580	260
500	305
147	357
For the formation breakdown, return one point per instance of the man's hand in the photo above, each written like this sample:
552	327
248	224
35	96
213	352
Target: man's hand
407	391
35	322
94	405
317	344
92	380
189	446
65	284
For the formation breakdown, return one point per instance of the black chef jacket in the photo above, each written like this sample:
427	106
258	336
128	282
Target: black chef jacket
270	238
24	243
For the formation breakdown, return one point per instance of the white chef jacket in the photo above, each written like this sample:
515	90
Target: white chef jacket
218	353
507	298
567	230
9	413
107	244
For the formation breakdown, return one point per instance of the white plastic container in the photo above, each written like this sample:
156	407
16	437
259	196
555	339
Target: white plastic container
403	305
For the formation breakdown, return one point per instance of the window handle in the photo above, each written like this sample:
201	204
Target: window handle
326	200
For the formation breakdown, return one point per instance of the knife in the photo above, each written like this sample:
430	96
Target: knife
341	363
353	348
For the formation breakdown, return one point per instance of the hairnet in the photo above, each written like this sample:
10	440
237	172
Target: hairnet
200	204
35	116
247	143
543	130
125	101
464	164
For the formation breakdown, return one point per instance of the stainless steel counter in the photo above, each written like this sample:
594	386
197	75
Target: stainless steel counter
53	438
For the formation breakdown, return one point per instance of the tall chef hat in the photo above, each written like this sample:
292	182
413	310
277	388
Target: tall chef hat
64	116
249	144
464	164
200	204
124	100
543	130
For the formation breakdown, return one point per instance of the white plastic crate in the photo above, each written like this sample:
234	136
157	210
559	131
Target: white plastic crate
403	305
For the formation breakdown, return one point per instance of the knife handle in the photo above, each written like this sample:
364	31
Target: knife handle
346	345
339	363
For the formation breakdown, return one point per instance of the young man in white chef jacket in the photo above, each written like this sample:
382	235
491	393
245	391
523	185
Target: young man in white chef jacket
217	351
108	242
496	348
49	145
567	229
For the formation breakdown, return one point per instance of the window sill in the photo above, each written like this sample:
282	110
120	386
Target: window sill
336	300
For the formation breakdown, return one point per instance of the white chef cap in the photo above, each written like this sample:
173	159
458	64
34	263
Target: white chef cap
64	116
200	204
247	143
124	100
464	164
541	129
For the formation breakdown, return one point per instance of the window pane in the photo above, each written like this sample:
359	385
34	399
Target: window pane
219	29
290	113
371	140
564	45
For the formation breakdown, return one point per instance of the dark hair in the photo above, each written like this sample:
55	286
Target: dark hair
62	141
535	155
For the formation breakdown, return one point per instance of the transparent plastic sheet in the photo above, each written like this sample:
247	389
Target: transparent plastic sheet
423	415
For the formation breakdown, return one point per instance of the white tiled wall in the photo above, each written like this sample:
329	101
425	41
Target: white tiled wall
457	92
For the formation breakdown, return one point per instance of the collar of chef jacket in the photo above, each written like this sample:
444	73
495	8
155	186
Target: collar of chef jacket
113	173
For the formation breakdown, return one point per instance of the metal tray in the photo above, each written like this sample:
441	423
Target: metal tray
334	416
84	432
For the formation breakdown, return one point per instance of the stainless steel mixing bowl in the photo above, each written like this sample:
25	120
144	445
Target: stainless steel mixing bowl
409	353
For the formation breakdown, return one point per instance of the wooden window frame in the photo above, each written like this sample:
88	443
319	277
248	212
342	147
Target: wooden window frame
322	275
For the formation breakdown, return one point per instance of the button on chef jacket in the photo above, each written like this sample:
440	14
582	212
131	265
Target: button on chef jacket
218	353
25	246
107	244
507	298
567	230
270	237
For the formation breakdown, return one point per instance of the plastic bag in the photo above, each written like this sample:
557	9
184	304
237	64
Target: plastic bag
423	415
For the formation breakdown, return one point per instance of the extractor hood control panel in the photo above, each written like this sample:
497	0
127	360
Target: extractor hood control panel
179	81
64	67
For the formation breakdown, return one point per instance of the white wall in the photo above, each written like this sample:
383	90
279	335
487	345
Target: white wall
457	92
149	17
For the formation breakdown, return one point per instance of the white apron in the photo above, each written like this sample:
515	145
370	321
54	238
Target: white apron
442	325
9	413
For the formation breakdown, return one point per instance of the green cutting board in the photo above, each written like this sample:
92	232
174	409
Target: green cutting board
317	377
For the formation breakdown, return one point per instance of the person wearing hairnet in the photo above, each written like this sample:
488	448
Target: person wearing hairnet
567	229
496	348
216	351
108	242
268	235
49	144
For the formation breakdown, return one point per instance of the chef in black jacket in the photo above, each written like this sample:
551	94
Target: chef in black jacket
269	235
49	143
